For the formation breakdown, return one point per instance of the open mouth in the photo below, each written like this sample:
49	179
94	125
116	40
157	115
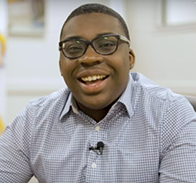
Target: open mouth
92	79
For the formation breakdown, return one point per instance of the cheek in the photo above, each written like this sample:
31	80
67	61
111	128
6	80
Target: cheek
66	65
122	64
66	69
123	69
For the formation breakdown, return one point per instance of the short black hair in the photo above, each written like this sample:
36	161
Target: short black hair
97	8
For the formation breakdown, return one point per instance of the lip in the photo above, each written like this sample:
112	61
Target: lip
93	87
93	72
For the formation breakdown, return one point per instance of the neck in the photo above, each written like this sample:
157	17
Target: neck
96	114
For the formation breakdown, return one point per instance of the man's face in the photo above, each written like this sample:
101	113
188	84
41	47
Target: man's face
109	73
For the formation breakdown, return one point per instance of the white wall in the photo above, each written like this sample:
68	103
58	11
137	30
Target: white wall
165	55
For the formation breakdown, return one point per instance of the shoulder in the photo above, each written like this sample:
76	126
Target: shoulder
148	88
41	108
160	100
36	118
55	97
50	105
172	112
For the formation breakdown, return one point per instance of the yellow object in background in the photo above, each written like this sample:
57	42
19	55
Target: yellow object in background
1	126
2	46
2	52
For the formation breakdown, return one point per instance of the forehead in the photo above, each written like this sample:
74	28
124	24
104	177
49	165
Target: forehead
89	25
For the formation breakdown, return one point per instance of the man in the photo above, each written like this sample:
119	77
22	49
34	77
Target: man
110	125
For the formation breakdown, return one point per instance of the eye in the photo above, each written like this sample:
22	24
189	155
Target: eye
106	43
106	46
73	46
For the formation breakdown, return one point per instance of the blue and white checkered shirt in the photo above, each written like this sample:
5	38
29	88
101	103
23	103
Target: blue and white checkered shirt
149	136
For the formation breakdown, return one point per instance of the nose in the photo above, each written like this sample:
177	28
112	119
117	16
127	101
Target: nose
90	57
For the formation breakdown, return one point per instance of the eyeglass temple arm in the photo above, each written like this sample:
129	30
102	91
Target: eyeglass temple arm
123	38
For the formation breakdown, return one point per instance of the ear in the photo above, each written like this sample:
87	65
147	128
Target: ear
131	59
60	67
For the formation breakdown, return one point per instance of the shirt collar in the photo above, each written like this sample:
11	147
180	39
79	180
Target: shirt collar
127	96
126	99
70	103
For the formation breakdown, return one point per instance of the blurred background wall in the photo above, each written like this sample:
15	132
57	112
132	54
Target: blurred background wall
165	48
164	40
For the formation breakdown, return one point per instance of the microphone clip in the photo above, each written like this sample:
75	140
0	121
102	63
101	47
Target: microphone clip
98	149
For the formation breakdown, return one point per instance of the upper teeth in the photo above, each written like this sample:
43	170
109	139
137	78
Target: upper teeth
92	78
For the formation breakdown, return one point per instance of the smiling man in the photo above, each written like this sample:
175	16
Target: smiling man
109	125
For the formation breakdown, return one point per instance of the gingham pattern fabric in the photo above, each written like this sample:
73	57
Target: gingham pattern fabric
149	136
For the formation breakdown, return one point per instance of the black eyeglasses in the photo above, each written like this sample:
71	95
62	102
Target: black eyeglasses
73	48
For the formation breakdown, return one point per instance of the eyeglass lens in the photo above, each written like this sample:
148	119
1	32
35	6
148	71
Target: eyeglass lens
103	45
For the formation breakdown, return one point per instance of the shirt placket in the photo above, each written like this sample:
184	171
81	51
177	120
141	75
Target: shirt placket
94	171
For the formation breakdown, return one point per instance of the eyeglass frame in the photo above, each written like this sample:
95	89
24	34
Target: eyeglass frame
90	42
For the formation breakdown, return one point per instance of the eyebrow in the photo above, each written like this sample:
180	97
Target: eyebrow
105	33
79	37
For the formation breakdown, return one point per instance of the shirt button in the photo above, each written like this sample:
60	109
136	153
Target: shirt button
94	165
97	128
